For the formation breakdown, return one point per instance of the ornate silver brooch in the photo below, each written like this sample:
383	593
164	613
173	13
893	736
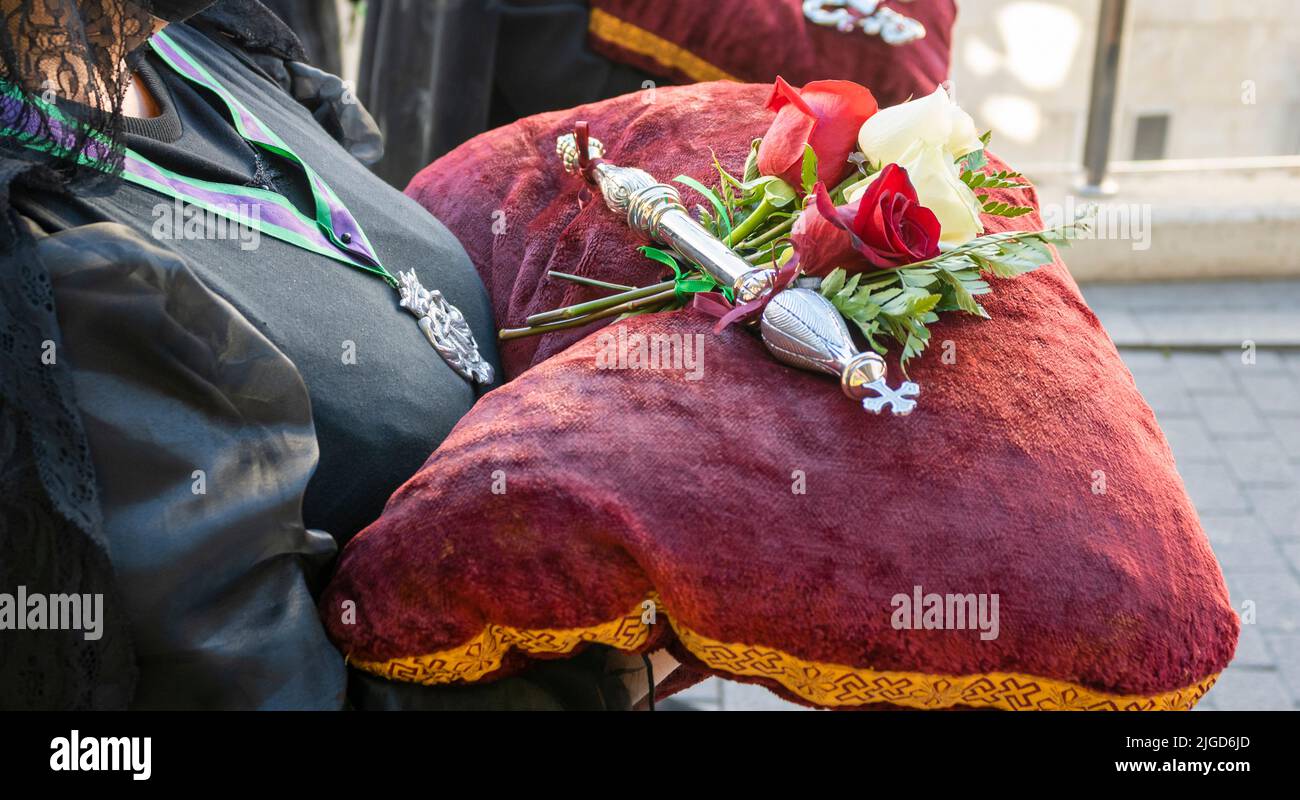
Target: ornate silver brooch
445	328
873	18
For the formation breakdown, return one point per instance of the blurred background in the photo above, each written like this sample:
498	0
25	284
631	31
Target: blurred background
1177	117
1203	125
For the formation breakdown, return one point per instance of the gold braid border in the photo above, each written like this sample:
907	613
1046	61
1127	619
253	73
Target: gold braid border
620	33
827	685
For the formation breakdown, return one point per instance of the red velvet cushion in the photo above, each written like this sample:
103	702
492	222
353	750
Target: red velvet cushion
748	41
572	495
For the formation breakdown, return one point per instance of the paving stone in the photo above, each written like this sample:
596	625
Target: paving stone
1146	360
1257	461
1252	650
1122	326
1278	508
1212	489
703	696
1251	690
1195	296
1271	392
1266	360
1203	372
1241	541
1287	648
1286	430
1291	551
1164	392
1275	594
748	697
1218	328
1189	440
1229	414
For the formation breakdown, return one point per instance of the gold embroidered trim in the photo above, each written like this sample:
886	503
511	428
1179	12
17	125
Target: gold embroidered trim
638	40
827	685
483	654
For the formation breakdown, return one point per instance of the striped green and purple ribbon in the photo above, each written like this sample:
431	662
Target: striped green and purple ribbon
334	232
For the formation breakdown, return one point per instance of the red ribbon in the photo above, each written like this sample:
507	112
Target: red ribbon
715	305
586	164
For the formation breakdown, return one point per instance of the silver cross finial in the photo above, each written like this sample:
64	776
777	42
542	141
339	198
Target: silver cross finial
896	399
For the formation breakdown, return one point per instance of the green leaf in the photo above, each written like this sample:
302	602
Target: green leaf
718	206
1004	179
833	282
1009	253
751	162
917	277
973	161
779	194
961	294
1004	209
900	304
809	173
726	186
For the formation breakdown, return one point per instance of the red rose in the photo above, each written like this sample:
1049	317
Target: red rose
824	114
885	227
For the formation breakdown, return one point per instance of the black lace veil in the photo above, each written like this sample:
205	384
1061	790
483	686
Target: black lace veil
70	54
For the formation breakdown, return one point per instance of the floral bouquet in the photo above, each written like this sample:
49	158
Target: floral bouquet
878	209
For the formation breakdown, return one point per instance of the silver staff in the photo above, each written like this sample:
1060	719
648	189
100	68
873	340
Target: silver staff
799	326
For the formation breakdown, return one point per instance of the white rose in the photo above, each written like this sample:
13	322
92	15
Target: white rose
939	188
934	119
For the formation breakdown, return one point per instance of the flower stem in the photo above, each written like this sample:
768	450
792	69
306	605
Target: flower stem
750	224
766	256
637	304
774	233
599	304
856	177
618	287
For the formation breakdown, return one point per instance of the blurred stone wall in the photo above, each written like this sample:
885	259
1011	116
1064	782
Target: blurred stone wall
1224	71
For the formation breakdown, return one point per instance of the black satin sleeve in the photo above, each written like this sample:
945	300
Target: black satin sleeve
201	437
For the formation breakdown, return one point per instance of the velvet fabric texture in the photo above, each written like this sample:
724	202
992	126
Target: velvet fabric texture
770	524
746	41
